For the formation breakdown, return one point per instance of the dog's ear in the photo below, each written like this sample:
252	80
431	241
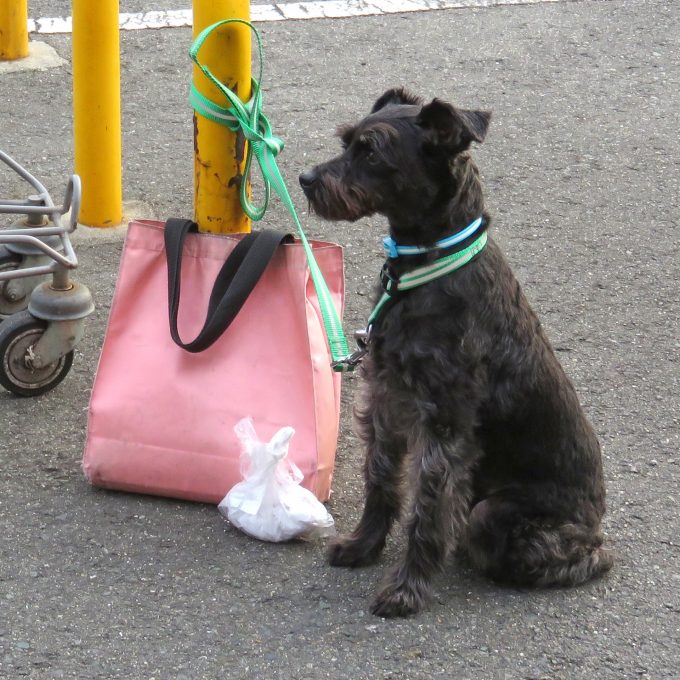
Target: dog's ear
397	95
476	123
453	128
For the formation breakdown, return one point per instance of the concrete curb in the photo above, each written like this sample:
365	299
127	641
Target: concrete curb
131	210
41	57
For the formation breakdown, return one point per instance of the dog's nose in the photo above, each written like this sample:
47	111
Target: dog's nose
308	179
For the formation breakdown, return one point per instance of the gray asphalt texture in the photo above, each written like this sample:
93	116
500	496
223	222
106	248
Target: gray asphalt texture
582	177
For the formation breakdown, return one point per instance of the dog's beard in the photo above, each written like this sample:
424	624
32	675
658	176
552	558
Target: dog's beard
332	199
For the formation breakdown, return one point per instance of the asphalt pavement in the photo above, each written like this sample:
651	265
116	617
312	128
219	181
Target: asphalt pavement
582	175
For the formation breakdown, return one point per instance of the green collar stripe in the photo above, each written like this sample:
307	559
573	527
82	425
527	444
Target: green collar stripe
443	266
423	275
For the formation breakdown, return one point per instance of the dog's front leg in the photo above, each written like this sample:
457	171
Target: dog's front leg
382	473
440	508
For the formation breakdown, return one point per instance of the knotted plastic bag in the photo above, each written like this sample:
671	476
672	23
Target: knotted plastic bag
269	503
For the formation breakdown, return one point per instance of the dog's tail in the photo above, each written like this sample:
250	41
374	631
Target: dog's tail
570	557
513	549
594	563
544	558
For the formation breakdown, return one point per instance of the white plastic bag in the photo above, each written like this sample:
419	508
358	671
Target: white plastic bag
269	503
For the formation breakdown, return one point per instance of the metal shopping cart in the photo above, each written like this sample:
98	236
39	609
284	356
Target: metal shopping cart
42	309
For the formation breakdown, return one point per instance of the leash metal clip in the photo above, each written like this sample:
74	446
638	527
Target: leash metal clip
350	362
363	337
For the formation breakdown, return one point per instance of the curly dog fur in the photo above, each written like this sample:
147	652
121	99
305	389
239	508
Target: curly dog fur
460	378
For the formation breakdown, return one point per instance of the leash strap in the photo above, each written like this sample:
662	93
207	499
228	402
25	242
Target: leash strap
249	119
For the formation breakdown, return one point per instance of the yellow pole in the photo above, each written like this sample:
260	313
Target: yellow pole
96	111
13	29
219	153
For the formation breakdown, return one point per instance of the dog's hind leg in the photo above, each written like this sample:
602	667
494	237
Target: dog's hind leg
440	507
508	546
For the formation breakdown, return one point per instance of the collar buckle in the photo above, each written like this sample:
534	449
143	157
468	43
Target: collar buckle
388	280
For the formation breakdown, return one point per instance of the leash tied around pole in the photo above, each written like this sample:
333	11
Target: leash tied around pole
265	146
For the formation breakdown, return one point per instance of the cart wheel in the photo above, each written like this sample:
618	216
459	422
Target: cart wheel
8	262
18	335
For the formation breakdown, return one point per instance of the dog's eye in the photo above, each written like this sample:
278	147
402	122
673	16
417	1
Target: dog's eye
371	157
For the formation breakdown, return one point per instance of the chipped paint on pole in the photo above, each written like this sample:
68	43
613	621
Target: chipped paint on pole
219	154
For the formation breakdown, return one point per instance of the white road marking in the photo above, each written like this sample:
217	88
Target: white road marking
314	9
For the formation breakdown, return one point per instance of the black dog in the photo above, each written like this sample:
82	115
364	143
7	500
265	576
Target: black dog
460	376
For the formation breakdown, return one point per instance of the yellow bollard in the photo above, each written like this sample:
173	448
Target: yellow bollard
218	153
96	111
13	29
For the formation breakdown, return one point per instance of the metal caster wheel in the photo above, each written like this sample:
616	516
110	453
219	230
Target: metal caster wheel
18	335
8	262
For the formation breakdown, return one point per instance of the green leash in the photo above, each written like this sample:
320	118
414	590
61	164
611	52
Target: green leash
249	119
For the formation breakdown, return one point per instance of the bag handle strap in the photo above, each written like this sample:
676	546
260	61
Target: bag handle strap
264	146
235	281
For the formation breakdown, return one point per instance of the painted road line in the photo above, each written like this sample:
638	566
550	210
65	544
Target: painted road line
314	9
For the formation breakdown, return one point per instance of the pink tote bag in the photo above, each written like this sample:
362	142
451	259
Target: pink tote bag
161	419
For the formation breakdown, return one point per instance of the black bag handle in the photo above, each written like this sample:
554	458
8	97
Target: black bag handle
234	283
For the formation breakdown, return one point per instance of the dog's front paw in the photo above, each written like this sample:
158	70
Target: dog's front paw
397	600
348	551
